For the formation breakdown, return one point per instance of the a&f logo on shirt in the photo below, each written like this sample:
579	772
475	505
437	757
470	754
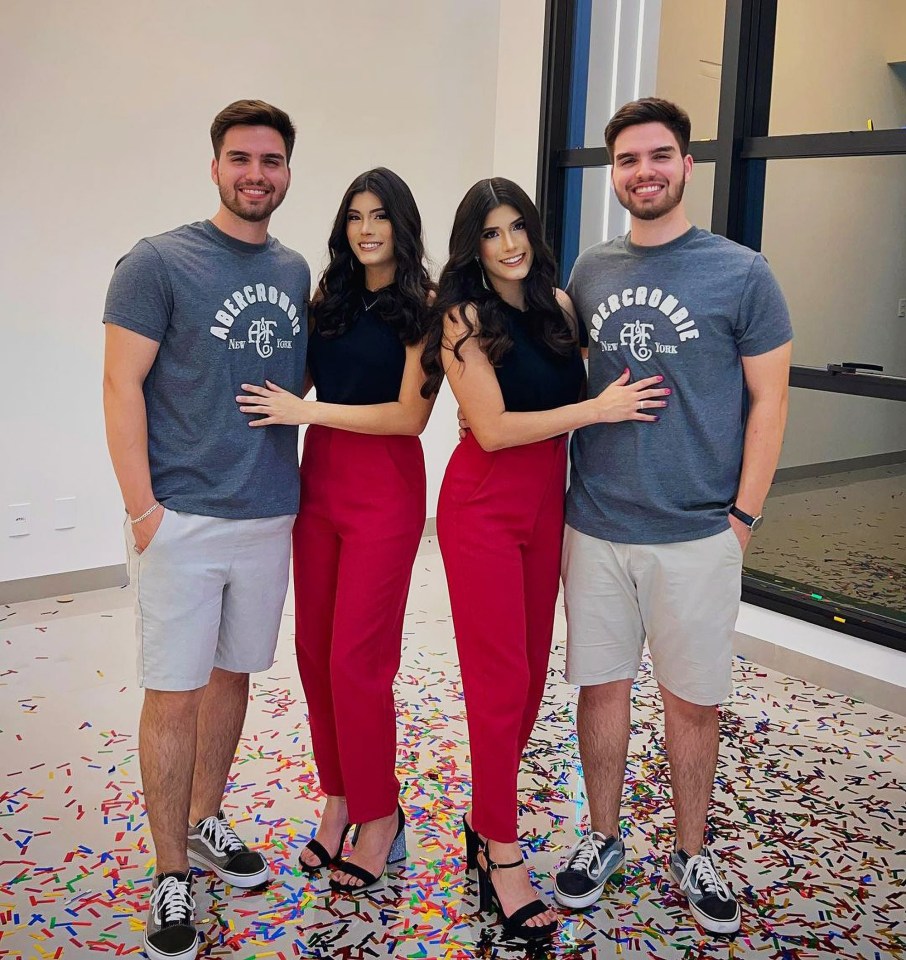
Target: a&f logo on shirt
636	336
260	333
643	339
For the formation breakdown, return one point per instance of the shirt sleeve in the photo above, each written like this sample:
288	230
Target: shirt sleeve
763	322
140	296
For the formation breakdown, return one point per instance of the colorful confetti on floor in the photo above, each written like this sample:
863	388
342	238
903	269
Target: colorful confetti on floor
809	814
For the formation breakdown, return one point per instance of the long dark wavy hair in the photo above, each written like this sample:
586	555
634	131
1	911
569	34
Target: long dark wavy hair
462	284
402	304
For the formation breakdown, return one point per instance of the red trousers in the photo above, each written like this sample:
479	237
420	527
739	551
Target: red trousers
500	527
361	517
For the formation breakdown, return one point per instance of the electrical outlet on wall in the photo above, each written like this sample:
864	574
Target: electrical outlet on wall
901	307
64	513
18	519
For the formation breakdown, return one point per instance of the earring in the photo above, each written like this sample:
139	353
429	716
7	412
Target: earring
484	279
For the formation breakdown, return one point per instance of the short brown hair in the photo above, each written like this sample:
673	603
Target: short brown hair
650	110
253	113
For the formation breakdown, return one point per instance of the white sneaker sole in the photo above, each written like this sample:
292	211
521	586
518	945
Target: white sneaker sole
703	920
587	899
716	926
244	881
188	954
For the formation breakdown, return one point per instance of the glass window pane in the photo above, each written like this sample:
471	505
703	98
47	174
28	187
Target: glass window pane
625	49
839	65
835	520
835	235
689	58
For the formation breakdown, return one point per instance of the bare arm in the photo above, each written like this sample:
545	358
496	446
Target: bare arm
567	306
128	357
767	379
475	387
406	416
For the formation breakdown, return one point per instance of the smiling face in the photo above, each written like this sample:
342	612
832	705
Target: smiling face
251	172
370	232
504	248
649	171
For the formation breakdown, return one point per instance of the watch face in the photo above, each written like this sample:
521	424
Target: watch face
756	523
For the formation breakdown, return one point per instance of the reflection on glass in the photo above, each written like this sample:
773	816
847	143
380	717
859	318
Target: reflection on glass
839	65
835	520
699	195
835	234
689	60
626	49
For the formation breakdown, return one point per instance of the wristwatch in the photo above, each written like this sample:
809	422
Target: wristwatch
753	523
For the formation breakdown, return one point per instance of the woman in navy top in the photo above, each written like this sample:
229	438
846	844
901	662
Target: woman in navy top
509	344
361	515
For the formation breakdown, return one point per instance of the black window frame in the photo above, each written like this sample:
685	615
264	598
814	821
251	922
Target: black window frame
740	154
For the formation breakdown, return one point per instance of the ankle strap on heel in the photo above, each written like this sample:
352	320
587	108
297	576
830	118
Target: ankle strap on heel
492	864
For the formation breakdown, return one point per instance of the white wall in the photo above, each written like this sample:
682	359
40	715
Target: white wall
518	108
107	110
839	649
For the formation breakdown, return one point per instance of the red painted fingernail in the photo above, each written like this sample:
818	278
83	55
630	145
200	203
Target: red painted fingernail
667	392
660	379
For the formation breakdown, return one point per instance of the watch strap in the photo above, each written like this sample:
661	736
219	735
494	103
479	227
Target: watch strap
751	522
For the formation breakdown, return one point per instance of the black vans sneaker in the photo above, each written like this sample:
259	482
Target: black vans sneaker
710	899
592	862
213	845
170	930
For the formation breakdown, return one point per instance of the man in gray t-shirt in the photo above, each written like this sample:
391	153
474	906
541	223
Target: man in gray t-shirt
659	513
190	316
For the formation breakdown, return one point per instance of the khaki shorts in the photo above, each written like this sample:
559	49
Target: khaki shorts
209	593
683	596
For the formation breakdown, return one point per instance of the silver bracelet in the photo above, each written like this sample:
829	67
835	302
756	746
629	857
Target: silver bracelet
145	515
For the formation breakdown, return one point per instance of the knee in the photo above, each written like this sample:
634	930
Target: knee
605	695
685	710
227	678
176	705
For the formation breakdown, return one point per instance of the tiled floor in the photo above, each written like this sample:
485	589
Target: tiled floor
809	811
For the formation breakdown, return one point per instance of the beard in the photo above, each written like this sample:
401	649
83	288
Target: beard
668	200
233	200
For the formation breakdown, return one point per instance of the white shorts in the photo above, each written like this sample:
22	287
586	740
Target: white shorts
209	593
683	596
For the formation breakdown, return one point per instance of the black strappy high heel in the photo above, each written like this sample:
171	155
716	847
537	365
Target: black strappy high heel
396	853
320	851
516	925
473	842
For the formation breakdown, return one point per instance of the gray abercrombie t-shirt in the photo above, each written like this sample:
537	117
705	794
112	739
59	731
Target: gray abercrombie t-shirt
687	310
225	313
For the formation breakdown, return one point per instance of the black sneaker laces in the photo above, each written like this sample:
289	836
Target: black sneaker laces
172	902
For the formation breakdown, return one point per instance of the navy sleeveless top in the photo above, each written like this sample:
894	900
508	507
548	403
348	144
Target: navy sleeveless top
364	364
531	375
